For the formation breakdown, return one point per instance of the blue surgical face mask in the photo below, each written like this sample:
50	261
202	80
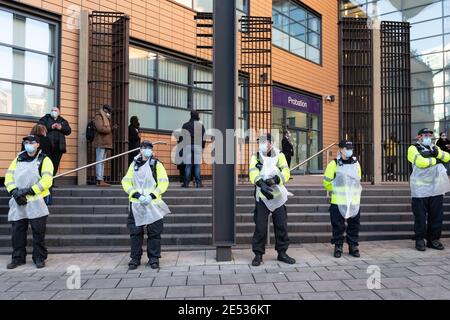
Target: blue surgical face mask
147	153
54	114
30	148
426	141
263	148
348	153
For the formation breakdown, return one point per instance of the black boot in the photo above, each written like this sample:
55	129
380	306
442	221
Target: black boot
154	263
40	264
420	245
435	244
133	264
257	260
199	185
354	251
338	249
283	257
14	264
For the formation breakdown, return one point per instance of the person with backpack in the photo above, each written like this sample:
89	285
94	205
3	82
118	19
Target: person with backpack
343	180
145	182
103	141
28	180
269	172
58	129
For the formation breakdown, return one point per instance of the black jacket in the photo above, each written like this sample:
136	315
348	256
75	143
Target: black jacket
57	137
287	148
134	141
190	127
443	144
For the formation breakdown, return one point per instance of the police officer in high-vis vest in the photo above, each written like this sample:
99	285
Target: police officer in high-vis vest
343	180
269	172
145	182
28	180
429	182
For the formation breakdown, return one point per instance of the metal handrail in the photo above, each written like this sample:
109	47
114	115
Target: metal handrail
101	161
314	156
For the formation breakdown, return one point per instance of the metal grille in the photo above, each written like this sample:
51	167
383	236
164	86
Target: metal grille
204	24
356	91
256	65
108	84
396	99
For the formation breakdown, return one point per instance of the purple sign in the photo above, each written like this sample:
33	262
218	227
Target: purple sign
296	101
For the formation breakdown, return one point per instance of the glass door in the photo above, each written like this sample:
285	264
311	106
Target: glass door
300	143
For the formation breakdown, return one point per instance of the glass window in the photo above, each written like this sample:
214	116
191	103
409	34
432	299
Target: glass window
187	3
295	119
428	12
29	65
427	45
426	29
142	62
242	6
296	29
168	119
145	112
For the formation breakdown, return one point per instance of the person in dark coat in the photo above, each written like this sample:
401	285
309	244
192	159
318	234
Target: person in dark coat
287	148
134	138
57	130
444	143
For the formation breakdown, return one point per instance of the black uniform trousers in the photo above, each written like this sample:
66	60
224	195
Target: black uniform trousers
154	231
19	239
428	217
279	219
56	159
339	228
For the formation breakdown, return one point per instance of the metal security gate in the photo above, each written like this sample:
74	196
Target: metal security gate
396	99
108	84
356	88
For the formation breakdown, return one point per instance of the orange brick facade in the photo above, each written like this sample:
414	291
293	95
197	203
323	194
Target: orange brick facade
170	25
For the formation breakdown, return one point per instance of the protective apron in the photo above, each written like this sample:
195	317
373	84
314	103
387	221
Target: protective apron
25	176
269	170
347	188
145	183
429	182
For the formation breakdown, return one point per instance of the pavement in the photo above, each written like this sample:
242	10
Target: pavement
389	270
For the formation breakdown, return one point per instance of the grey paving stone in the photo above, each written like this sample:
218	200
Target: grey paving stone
398	283
101	283
334	275
61	285
302	276
237	267
36	295
169	281
344	267
203	280
397	272
237	278
110	294
203	268
433	293
73	294
358	295
426	281
269	277
286	296
123	276
258	288
445	267
320	296
8	295
358	284
31	286
239	298
206	298
293	287
6	285
427	270
185	292
222	290
135	283
148	293
328	285
359	274
398	294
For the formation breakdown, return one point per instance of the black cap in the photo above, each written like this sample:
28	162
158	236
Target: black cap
146	144
107	107
264	138
32	138
346	144
425	130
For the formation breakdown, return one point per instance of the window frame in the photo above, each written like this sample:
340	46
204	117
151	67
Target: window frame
246	11
45	17
309	12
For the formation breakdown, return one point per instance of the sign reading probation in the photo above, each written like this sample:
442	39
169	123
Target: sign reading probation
296	101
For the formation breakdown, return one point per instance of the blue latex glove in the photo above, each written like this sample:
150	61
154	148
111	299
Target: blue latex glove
145	200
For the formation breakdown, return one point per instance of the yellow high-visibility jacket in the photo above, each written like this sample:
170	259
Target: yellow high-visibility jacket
330	175
162	180
254	173
391	148
42	187
416	159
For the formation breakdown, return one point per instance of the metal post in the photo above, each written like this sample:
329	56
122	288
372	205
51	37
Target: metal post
377	152
225	100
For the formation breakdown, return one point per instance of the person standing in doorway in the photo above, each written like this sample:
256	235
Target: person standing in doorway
28	180
103	141
134	138
391	147
444	143
429	182
57	130
192	155
286	147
